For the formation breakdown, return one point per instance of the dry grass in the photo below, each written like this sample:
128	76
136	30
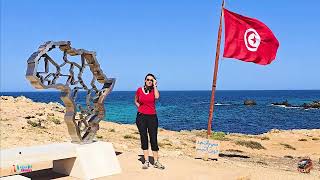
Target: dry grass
35	124
250	144
99	136
265	138
53	119
234	150
288	146
129	136
165	142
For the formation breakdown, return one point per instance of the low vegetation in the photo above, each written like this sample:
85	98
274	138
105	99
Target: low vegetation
250	144
35	124
129	136
265	138
288	146
234	150
165	142
53	119
220	136
99	136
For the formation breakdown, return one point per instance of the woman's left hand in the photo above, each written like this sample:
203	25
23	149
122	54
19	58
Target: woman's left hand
155	83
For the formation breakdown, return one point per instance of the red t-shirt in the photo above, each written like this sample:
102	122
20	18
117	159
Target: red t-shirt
146	101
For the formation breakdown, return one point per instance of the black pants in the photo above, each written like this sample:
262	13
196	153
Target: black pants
148	124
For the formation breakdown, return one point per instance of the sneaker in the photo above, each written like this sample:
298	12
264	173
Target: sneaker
145	165
158	165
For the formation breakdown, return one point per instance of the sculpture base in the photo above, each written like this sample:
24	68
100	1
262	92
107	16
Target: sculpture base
92	161
84	161
15	177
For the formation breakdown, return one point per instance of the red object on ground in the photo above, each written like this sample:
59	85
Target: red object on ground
248	39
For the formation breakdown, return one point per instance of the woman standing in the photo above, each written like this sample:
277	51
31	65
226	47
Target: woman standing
147	120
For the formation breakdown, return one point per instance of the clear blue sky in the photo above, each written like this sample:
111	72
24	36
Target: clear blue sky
174	39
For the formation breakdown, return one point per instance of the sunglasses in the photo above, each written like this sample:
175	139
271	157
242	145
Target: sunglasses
150	80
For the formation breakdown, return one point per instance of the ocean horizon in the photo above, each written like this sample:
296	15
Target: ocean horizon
188	109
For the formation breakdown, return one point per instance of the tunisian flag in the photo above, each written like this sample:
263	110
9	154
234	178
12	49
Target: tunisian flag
248	39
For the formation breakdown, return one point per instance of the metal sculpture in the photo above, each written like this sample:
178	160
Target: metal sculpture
84	128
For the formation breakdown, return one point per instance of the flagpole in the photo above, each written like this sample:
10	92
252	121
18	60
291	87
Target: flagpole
215	74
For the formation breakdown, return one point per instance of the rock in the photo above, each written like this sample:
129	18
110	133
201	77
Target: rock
250	102
284	103
314	104
23	99
7	98
274	131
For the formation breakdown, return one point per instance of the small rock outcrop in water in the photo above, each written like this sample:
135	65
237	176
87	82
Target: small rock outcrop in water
314	104
284	103
250	102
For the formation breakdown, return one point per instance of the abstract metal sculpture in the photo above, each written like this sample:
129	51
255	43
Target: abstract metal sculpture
83	129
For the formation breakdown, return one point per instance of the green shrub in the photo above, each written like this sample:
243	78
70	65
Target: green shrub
219	136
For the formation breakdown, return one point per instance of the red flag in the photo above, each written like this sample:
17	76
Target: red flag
248	39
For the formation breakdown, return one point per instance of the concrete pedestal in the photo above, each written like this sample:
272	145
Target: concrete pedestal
87	161
93	160
15	177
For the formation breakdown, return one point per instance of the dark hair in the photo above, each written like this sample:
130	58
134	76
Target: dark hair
146	88
150	75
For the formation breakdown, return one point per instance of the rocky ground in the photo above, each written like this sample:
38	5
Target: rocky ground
26	123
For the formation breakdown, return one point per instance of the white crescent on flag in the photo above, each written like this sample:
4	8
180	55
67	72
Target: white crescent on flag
252	39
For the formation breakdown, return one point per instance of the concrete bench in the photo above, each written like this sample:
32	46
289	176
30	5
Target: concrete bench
86	161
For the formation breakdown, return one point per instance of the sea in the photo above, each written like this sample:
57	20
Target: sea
188	110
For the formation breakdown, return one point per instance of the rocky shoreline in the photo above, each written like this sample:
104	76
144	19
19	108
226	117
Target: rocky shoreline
26	123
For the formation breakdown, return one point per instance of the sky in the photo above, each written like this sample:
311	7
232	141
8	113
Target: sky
173	39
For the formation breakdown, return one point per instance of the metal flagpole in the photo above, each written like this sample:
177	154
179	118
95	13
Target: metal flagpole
214	82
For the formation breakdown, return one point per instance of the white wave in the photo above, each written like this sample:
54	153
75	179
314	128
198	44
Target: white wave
279	105
293	107
283	106
219	104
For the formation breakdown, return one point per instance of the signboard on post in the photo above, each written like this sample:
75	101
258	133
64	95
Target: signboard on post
207	149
